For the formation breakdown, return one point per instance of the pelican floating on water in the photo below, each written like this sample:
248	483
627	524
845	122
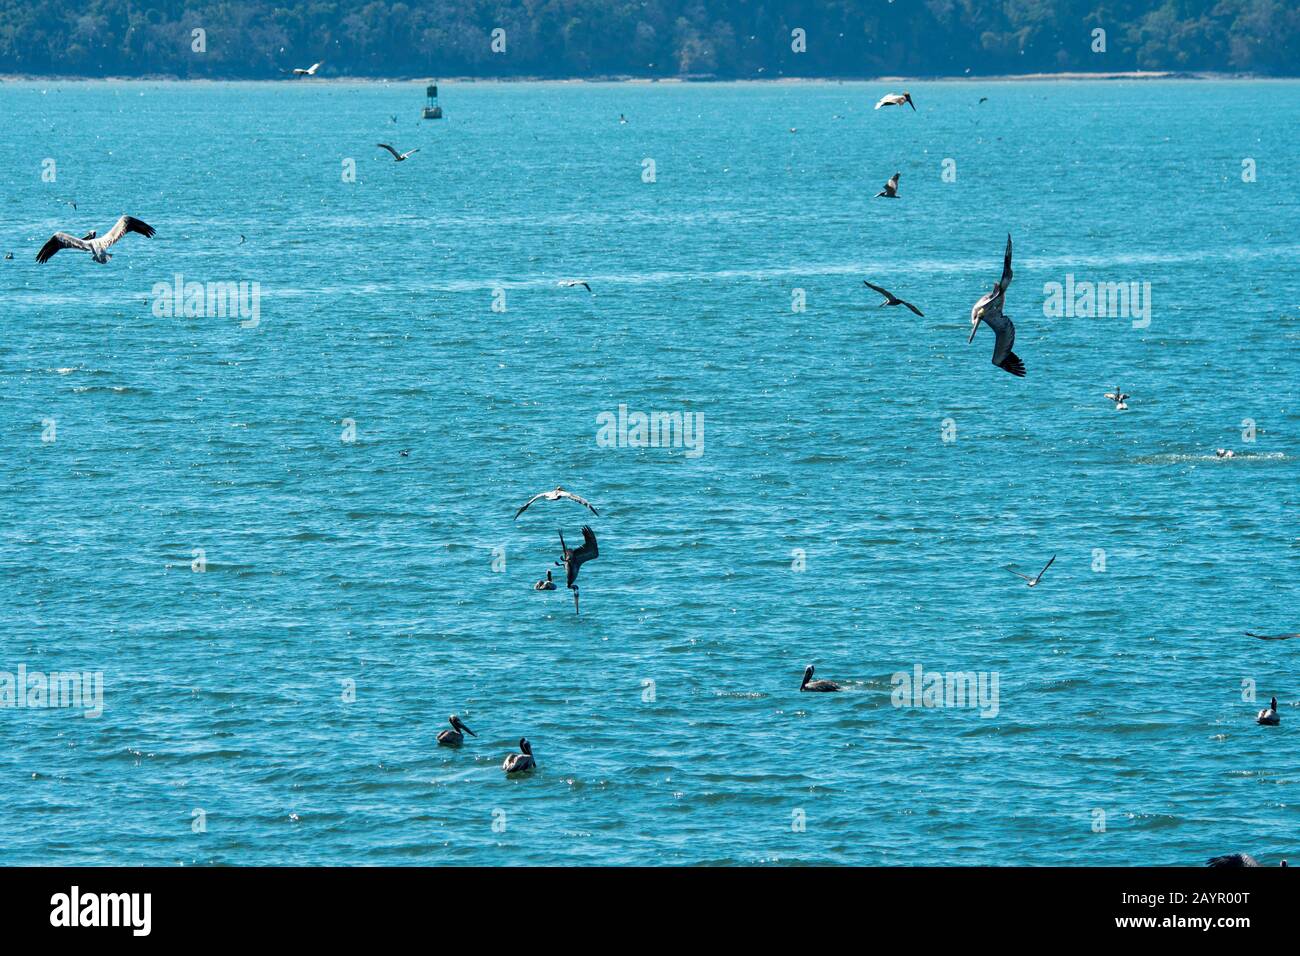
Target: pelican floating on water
891	188
891	299
454	737
547	585
573	559
1269	717
816	685
556	495
1119	398
520	762
896	99
97	247
1033	582
1235	860
989	311
1224	453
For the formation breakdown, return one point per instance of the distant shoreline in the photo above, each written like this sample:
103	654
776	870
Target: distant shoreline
1068	76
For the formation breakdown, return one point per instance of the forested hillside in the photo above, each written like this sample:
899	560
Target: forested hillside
577	38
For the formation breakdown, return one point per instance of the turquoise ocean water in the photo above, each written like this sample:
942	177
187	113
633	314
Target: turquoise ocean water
1123	679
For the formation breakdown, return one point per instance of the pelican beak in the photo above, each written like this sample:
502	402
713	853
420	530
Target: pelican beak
973	326
468	731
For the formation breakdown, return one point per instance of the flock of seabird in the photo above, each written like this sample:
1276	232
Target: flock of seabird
989	310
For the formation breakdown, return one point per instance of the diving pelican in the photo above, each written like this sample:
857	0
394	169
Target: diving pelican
989	311
1033	582
310	71
896	99
891	299
398	157
547	585
1119	398
816	685
98	248
573	560
891	188
1273	637
520	762
454	737
556	495
1270	717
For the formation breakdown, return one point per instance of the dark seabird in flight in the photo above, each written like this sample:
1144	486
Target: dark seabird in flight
891	299
573	559
398	157
891	188
989	311
1033	582
97	247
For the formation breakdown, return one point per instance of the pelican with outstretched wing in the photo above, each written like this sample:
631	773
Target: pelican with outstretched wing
96	246
572	560
1033	582
1119	398
398	157
310	71
989	311
556	495
891	299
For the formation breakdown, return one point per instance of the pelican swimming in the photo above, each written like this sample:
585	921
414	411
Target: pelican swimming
896	99
520	762
1033	582
891	188
816	685
989	311
454	737
1270	717
97	247
547	585
556	495
891	299
1273	637
573	560
1119	398
398	157
310	71
571	283
1224	453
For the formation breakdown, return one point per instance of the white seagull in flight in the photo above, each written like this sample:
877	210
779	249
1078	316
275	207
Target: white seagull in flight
97	247
1033	582
310	71
556	495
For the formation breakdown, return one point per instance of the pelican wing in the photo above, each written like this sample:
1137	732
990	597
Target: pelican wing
124	225
411	152
582	501
1045	567
1018	574
1006	267
60	240
912	307
1003	357
529	502
396	154
581	555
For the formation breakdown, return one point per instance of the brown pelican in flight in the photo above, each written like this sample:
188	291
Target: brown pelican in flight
1273	637
518	763
891	299
570	283
97	247
310	71
572	560
547	585
454	737
1033	582
1269	717
896	99
891	188
989	311
398	157
816	685
1119	398
556	495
